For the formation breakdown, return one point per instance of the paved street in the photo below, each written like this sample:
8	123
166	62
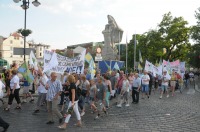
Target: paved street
180	113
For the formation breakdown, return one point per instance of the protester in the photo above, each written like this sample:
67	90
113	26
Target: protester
173	82
26	93
108	90
165	83
2	86
4	124
145	84
124	92
64	81
136	84
14	86
92	94
113	80
73	104
100	97
150	81
54	89
120	81
41	90
84	86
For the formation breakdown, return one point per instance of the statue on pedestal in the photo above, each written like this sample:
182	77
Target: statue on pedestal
112	34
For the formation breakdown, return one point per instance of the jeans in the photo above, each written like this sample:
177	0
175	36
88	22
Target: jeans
81	102
135	95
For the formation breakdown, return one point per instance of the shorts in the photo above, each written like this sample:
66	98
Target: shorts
172	83
26	89
145	88
100	105
91	100
125	96
164	87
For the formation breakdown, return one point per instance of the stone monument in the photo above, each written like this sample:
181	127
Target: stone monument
112	34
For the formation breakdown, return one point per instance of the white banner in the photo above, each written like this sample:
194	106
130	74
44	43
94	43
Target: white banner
153	69
148	66
70	65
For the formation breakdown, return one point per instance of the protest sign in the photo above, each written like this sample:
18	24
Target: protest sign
148	66
70	65
175	65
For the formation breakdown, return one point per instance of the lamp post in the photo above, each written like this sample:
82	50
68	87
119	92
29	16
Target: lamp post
25	6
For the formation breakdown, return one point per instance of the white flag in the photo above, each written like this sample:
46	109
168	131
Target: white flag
33	61
52	63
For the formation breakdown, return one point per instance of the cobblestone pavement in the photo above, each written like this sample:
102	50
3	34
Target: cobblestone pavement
180	113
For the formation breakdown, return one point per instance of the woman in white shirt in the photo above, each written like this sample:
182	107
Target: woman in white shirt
124	91
14	88
2	86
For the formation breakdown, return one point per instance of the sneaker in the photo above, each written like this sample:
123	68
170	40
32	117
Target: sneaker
32	100
127	105
82	113
36	111
119	105
50	122
96	118
160	97
24	101
168	96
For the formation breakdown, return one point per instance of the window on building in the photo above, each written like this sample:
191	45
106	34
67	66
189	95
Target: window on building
40	54
40	48
11	42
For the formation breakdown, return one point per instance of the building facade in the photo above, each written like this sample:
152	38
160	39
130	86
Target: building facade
7	45
15	40
39	49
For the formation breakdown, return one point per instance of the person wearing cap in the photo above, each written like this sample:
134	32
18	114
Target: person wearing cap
165	83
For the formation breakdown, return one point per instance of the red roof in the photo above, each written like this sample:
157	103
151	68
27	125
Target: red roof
15	34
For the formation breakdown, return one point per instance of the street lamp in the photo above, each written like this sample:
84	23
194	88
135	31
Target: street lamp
25	6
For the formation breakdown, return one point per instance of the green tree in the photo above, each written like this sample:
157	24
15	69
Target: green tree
175	37
194	55
172	34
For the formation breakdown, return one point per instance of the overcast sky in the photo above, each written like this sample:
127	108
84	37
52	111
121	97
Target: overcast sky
65	22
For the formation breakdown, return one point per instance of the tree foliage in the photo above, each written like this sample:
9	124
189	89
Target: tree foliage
194	55
24	32
172	34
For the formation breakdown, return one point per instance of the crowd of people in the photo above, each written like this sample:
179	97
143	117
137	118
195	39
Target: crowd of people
75	91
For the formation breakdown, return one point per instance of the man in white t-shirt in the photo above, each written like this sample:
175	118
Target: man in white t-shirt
41	90
145	84
165	83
